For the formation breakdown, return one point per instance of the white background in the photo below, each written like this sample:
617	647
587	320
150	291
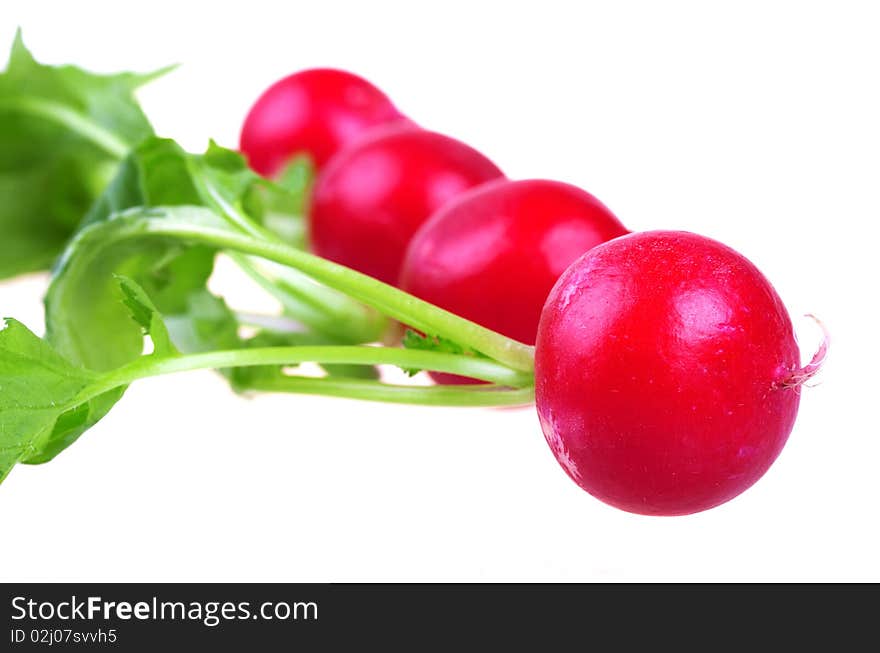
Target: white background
752	122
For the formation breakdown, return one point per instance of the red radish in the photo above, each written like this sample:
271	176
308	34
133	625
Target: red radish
493	254
666	373
314	112
372	197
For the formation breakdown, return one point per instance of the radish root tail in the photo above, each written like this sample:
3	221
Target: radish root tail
799	377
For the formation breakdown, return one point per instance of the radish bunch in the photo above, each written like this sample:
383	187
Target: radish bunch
663	364
666	370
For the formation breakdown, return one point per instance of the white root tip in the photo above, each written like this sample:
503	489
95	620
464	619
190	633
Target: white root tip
800	376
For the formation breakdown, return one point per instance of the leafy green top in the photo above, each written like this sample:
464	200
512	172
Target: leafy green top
77	156
63	130
37	388
46	402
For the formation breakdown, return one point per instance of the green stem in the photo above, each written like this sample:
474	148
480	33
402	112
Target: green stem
322	309
62	115
319	307
389	300
214	199
437	395
407	358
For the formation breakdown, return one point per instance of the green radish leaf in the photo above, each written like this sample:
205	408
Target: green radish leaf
84	318
296	179
85	321
155	173
46	402
144	312
282	205
83	416
39	406
206	324
159	173
63	132
224	179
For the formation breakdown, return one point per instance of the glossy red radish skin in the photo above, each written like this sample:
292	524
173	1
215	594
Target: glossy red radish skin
493	254
372	197
663	368
314	112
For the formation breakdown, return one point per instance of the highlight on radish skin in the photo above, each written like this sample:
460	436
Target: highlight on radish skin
664	373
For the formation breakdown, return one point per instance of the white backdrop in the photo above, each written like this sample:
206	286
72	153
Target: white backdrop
755	123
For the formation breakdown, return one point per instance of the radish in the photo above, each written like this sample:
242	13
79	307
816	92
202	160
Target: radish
493	254
667	374
314	112
372	197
